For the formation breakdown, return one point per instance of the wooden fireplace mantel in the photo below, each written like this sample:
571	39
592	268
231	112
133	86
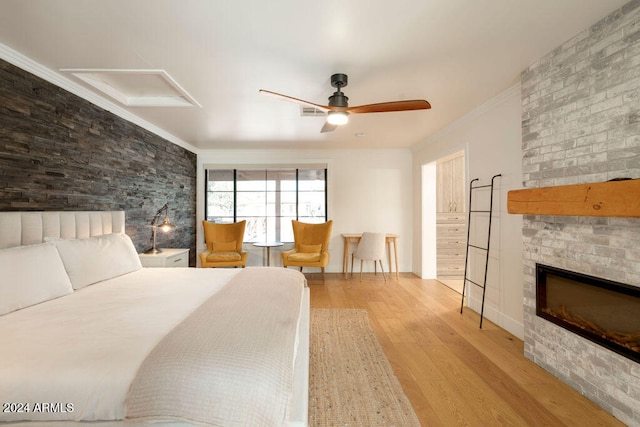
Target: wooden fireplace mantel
607	199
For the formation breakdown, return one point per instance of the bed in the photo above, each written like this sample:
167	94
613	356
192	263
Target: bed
93	338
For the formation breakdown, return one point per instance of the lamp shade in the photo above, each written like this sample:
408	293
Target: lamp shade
166	225
337	117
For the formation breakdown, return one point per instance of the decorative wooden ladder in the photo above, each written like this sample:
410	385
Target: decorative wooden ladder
484	249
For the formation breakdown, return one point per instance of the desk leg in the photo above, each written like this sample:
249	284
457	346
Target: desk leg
345	257
268	256
389	257
395	250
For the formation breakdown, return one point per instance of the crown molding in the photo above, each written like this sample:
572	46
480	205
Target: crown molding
19	60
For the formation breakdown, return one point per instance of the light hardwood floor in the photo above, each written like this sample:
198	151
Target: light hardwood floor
454	373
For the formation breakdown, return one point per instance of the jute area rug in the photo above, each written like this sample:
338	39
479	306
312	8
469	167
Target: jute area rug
351	382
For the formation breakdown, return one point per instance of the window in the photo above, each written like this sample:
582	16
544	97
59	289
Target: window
267	198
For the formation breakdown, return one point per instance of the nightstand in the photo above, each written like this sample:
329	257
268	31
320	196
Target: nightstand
168	258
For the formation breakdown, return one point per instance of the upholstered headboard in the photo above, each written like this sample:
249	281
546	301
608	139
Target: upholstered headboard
29	228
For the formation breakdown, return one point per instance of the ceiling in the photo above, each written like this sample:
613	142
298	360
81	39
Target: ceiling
457	54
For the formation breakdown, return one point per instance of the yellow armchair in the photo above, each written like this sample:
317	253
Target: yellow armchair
224	245
311	246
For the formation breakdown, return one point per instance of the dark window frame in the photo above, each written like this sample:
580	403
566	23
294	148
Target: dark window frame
235	170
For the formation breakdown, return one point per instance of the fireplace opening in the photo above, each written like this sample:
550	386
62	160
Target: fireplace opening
603	311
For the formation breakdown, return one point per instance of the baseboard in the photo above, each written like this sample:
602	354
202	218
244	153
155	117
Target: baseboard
491	313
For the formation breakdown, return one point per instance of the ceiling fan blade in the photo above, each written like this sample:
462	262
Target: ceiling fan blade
324	108
383	107
328	127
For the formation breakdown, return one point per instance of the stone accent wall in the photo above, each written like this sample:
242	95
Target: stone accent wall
580	124
60	152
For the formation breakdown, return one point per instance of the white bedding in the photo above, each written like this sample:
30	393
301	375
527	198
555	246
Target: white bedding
84	349
87	363
227	364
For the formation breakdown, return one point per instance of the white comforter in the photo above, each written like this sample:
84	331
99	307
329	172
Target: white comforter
57	353
227	364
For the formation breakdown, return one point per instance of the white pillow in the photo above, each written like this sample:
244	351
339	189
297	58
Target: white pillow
31	275
95	259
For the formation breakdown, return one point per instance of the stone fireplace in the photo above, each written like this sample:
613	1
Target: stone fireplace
581	124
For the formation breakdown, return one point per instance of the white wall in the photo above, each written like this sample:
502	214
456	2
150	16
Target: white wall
428	222
492	137
368	190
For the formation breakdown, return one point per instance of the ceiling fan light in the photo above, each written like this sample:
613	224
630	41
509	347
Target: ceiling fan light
338	117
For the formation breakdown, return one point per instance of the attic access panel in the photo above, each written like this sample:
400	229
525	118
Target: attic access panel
136	88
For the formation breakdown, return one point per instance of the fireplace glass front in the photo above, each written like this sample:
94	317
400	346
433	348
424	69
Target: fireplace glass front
600	310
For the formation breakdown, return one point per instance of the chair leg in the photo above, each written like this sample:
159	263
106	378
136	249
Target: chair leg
381	269
323	276
361	270
352	265
300	269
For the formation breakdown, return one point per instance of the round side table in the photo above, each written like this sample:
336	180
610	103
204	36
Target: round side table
268	245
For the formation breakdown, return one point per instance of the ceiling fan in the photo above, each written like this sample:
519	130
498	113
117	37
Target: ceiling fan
338	109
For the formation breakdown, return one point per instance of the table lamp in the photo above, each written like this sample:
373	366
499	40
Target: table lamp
166	226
